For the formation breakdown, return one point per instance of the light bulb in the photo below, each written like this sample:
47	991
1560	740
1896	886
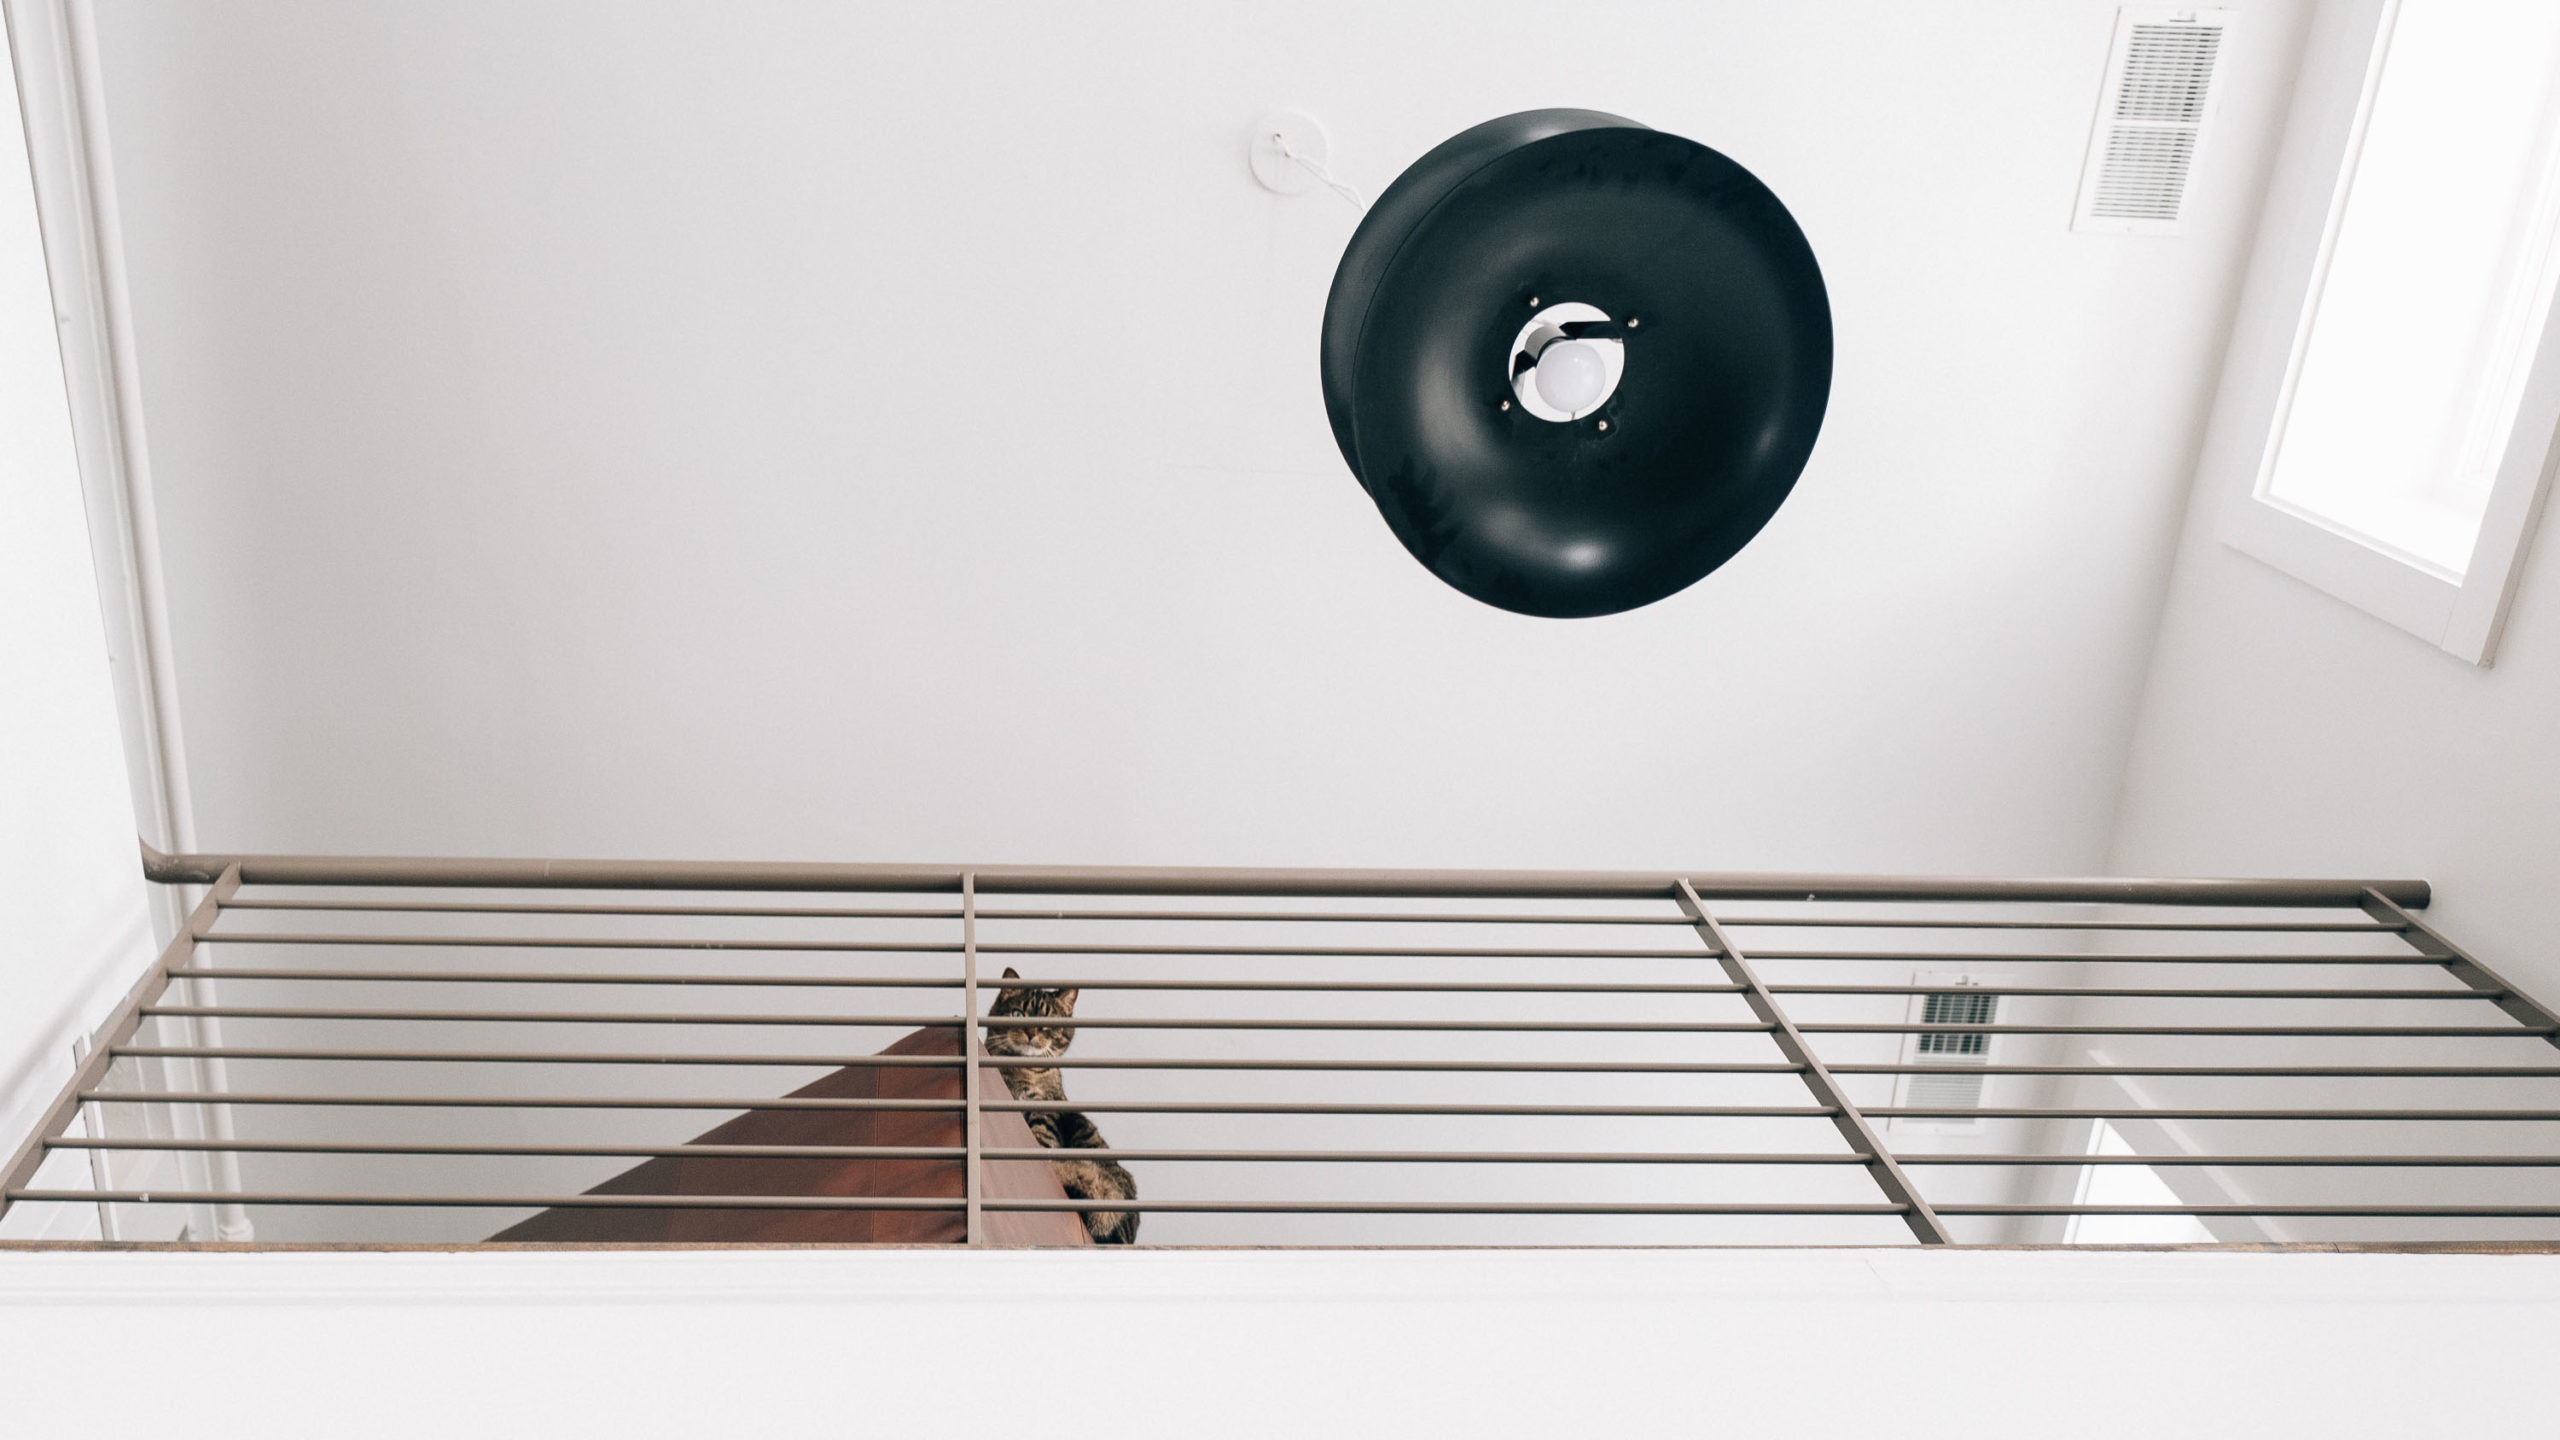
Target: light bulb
1570	375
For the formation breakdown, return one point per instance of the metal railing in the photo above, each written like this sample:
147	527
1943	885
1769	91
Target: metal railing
1336	1057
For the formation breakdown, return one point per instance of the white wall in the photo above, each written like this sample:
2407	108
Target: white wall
2288	732
1812	1344
2285	731
70	878
893	432
695	431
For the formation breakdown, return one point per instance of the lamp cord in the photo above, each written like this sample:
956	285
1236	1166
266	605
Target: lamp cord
1290	154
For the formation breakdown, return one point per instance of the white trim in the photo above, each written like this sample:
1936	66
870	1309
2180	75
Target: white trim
2523	486
1808	1344
2463	615
2388	586
901	1279
54	46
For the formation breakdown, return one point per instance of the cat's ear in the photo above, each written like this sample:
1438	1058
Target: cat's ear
1067	1001
1011	974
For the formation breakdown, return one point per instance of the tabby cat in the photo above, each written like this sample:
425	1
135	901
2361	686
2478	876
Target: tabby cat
1084	1177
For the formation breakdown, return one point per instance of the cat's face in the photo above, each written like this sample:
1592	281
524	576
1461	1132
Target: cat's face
1016	999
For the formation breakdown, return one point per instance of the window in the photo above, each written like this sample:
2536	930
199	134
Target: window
2415	428
2125	1184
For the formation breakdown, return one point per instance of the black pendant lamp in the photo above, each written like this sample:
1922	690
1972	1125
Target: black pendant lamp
1577	362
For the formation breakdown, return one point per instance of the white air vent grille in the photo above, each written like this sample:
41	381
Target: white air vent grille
2168	72
1957	1007
1953	1079
2158	94
2144	175
1957	1091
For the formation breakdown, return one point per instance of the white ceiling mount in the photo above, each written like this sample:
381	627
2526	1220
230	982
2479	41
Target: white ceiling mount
1275	138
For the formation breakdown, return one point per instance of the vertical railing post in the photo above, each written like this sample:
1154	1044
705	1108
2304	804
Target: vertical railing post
972	1116
1853	1126
2459	964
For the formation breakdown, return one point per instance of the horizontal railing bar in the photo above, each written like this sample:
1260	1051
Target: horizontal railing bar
1452	917
1641	1067
1457	1157
1159	880
2242	1161
1288	1107
2462	1072
1263	1207
350	1147
514	1057
1168	1107
1567	1067
1440	1207
2414	1212
1242	1156
1470	987
1175	1022
2088	957
1046	1022
546	1017
892	982
1040	1062
509	1102
1265	917
946	1152
2487	1032
1652	953
1897	922
595	942
499	1202
2129	993
2140	1112
831	1202
1777	1158
790	912
537	977
1425	1026
713	1017
1358	952
618	1102
1031	1062
523	907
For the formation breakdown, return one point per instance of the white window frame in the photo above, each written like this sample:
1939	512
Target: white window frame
2464	614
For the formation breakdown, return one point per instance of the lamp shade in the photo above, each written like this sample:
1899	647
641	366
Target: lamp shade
1696	316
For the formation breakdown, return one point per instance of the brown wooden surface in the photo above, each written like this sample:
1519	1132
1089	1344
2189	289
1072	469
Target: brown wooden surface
719	1175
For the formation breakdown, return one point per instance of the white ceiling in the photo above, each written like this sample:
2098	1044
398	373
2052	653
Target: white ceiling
893	432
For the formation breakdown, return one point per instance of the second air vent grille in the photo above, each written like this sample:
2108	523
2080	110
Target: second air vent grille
2158	95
